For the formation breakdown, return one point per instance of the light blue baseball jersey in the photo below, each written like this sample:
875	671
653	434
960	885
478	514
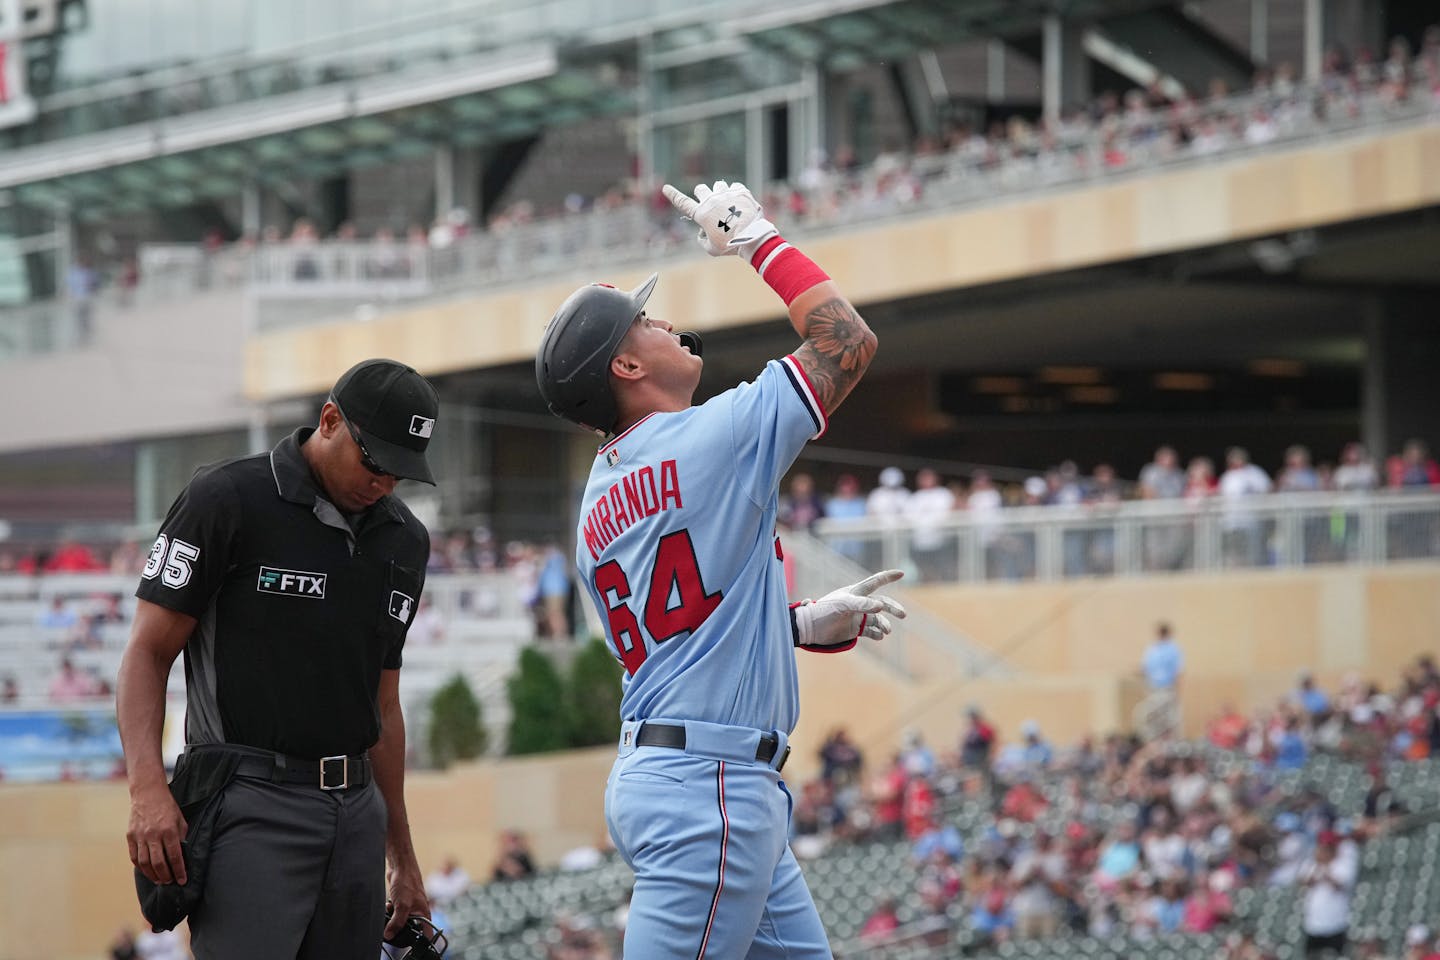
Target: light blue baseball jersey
677	548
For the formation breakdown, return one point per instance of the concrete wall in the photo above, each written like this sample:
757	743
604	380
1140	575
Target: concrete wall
154	370
1075	645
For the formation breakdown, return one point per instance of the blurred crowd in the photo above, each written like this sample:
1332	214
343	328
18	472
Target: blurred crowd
935	498
1012	837
1143	125
79	621
1121	836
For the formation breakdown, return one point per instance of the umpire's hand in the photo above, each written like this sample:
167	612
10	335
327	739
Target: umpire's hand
407	898
156	828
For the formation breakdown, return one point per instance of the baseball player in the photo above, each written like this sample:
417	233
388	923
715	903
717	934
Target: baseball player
677	549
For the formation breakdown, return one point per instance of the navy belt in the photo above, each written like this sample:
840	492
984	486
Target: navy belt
673	735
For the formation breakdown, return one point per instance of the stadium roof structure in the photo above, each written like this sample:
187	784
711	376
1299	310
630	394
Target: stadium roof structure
176	134
314	131
848	33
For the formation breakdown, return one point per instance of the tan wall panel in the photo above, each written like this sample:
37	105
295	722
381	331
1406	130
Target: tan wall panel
1408	607
1228	623
1182	209
1262	193
1342	614
1137	215
1428	161
1323	185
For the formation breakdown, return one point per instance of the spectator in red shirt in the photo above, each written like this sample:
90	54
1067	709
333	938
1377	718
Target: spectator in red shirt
1414	467
978	742
1199	479
72	557
889	792
70	684
918	807
1209	904
1023	802
1227	731
1421	943
881	923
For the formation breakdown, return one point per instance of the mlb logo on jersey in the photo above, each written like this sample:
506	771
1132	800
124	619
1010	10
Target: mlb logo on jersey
295	583
400	606
612	457
421	426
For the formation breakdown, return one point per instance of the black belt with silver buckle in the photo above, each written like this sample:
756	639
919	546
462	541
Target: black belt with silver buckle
327	773
673	735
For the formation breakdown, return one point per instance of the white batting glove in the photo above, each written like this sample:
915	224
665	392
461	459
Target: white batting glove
843	616
731	220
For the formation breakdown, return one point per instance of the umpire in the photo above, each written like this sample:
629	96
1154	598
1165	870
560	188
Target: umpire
289	579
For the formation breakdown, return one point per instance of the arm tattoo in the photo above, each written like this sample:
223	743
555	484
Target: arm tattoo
837	350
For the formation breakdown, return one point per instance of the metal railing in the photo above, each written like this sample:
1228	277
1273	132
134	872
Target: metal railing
1274	531
418	40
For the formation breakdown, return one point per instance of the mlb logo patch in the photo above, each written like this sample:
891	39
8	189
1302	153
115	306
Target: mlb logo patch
613	457
627	738
421	426
400	606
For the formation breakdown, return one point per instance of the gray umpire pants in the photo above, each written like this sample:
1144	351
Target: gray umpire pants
295	872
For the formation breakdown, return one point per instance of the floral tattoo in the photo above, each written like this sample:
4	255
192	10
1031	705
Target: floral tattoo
837	350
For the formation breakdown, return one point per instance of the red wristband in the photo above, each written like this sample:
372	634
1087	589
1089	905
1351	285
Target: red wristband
788	271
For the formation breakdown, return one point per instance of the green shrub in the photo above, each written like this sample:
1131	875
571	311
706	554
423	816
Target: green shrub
456	730
537	705
592	698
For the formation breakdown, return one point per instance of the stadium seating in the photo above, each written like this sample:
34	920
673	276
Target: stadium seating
1398	886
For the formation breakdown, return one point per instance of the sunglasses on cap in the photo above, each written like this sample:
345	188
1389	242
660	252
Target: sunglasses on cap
366	461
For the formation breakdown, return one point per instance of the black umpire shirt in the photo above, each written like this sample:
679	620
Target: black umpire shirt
298	609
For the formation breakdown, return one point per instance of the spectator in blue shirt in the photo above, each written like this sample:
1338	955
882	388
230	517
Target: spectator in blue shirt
1037	752
1311	698
1163	661
1162	665
846	503
1290	747
1120	857
1030	756
57	616
1170	906
919	760
991	917
938	837
554	595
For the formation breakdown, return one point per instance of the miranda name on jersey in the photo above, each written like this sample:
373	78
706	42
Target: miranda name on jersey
633	498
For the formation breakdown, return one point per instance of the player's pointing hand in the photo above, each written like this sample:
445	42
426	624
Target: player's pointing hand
730	219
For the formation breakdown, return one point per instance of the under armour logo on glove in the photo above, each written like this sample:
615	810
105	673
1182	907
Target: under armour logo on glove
728	216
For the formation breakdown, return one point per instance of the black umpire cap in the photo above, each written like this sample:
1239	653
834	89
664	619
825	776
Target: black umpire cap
393	409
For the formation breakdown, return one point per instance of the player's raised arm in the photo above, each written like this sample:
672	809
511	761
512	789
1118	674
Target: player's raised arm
838	344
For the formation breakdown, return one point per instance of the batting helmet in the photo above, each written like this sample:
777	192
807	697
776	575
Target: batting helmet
573	364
